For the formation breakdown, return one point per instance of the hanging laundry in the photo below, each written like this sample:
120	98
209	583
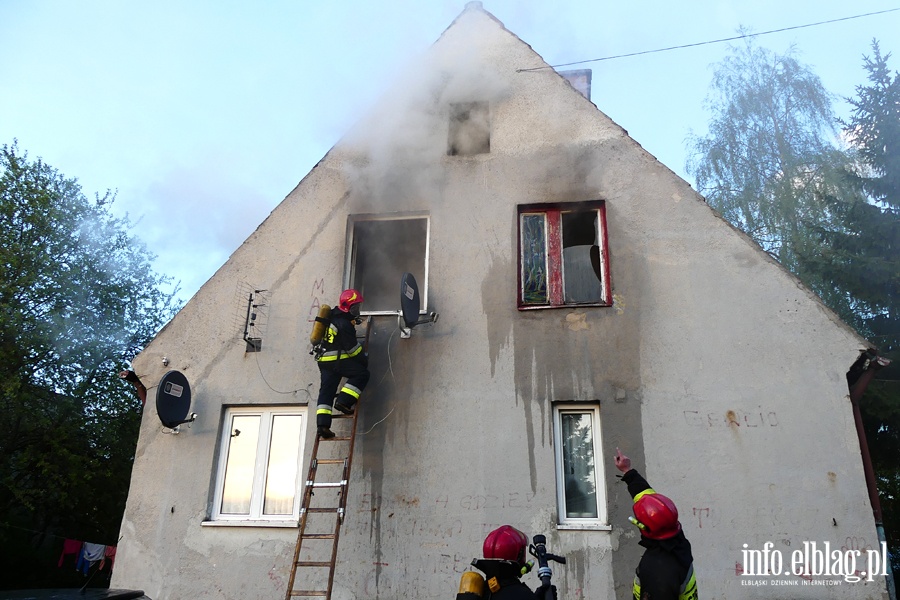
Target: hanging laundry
70	547
111	555
90	553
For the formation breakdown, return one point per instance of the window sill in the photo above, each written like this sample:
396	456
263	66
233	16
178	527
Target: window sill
249	523
583	527
569	306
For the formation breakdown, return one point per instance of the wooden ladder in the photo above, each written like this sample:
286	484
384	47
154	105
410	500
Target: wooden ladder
321	524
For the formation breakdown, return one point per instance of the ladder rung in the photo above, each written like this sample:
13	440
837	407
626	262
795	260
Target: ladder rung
335	439
327	484
308	593
318	536
312	563
319	510
331	461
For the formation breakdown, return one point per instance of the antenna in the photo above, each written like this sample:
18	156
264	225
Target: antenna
410	306
173	400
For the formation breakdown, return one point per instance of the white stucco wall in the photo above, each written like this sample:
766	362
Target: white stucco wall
715	370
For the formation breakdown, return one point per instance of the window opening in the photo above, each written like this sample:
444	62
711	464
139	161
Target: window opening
579	465
259	470
382	249
470	129
563	255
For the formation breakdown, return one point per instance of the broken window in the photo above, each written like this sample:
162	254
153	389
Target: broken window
382	249
579	465
258	477
470	129
563	258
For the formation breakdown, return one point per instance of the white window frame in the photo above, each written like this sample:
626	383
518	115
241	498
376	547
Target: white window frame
350	254
602	519
256	518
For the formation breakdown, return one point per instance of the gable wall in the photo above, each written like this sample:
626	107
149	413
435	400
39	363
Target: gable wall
710	368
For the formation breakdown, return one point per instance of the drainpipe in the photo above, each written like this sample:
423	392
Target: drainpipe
872	363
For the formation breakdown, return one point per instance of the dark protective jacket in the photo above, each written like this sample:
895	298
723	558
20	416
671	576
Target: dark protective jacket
339	342
503	583
666	570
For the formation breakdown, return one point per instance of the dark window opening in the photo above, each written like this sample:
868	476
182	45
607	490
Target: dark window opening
382	250
470	129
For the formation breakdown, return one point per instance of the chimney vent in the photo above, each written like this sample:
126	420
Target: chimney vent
580	80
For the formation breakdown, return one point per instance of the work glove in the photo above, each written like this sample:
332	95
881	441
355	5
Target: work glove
546	592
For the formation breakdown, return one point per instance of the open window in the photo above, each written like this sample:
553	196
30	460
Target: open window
258	479
563	256
470	129
581	493
381	249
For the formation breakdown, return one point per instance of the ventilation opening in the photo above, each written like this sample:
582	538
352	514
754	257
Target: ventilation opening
470	129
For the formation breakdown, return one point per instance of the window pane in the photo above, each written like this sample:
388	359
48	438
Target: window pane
581	257
383	250
239	465
534	259
578	465
284	465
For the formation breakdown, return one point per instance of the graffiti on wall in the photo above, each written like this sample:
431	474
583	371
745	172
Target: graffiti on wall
760	418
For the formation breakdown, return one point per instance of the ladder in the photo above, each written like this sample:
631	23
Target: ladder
322	515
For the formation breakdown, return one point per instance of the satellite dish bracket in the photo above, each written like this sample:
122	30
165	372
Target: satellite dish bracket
408	315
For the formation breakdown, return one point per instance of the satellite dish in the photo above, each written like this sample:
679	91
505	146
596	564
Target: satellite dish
410	306
173	400
409	300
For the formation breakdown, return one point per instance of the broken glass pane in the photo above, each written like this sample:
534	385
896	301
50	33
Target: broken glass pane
581	257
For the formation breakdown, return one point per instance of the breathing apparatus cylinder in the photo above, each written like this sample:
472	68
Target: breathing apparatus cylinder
320	325
471	586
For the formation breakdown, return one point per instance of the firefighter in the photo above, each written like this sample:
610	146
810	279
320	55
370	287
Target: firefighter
503	564
666	570
341	356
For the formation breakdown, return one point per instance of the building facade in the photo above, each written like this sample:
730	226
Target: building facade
589	300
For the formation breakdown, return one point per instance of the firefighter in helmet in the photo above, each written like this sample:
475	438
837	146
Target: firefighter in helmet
666	570
503	565
341	356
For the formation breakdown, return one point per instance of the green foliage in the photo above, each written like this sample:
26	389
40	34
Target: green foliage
769	156
870	247
78	298
771	167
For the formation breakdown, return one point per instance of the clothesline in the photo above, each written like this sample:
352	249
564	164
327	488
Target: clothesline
88	554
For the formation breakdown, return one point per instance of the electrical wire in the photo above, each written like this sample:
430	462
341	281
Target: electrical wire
728	39
259	368
391	371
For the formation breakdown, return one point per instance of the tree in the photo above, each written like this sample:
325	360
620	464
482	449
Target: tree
830	215
867	263
78	298
769	156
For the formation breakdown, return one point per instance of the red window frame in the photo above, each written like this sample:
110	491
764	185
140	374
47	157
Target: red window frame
554	260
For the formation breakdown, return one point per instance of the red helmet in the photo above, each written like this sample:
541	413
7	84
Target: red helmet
506	543
348	299
658	515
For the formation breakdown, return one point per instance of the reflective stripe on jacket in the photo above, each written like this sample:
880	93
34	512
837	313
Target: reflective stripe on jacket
339	340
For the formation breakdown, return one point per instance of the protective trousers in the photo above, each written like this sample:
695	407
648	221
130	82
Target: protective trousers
357	375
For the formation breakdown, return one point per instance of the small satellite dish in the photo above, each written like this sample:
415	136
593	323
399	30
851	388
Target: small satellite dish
409	300
173	400
410	306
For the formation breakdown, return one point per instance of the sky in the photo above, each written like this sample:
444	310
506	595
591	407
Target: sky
202	115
